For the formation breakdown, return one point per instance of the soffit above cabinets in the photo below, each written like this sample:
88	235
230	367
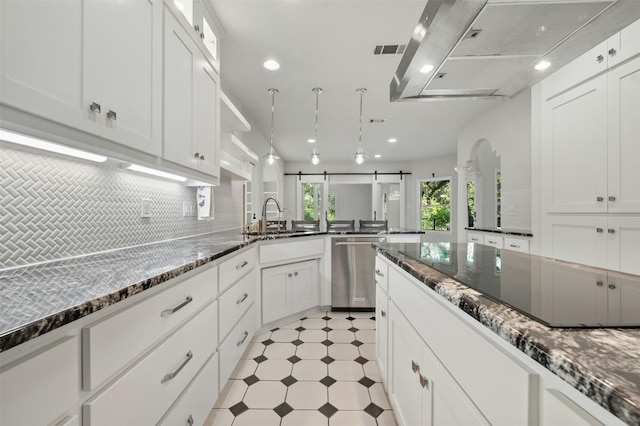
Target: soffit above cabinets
483	48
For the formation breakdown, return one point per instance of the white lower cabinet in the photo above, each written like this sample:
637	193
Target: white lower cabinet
235	302
289	289
559	410
38	390
144	393
234	345
382	330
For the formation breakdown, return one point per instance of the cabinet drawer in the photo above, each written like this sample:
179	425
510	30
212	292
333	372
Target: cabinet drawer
493	241
234	269
497	384
150	387
382	273
287	252
516	244
560	410
194	405
39	389
110	344
475	237
235	302
234	345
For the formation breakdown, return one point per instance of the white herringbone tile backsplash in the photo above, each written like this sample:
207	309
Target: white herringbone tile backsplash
54	207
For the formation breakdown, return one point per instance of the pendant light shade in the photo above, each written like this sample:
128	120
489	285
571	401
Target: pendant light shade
315	155
271	156
360	156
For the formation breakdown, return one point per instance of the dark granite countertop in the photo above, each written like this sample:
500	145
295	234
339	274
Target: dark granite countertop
506	231
602	363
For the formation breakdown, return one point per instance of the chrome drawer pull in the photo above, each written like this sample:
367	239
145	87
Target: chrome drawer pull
95	107
611	231
242	265
112	115
170	376
599	283
383	314
612	52
424	382
168	312
598	229
514	245
246	334
612	286
600	58
415	367
190	420
244	297
378	273
599	199
612	198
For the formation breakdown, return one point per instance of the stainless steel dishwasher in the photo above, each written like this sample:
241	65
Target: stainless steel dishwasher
353	285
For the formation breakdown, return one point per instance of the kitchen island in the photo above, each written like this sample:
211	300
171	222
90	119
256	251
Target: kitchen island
601	363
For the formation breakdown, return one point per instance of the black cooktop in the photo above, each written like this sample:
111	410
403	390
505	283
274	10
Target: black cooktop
555	293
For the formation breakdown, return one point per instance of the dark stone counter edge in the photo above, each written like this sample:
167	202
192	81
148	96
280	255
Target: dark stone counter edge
44	325
501	231
597	390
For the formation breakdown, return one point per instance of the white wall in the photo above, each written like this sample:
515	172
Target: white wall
507	126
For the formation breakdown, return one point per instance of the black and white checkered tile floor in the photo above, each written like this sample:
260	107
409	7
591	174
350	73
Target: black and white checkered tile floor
316	371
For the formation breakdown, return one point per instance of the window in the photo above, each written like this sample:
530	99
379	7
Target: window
331	212
435	204
312	201
498	198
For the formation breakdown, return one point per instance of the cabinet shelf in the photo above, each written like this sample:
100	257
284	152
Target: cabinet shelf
231	117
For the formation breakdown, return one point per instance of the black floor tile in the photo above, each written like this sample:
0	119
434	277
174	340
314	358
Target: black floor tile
327	342
300	329
327	360
284	409
289	380
353	329
251	380
350	318
327	329
267	342
326	318
373	410
328	410
366	382
293	359
238	408
297	342
361	360
328	381
260	359
357	343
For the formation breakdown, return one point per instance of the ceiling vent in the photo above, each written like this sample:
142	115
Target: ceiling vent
487	49
389	49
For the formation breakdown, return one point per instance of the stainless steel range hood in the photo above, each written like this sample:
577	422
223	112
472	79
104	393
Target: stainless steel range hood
488	49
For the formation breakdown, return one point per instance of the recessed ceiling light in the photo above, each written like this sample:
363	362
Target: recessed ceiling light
393	140
271	65
377	156
427	68
312	140
542	65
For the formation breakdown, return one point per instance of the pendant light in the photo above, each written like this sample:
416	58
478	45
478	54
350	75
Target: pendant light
271	156
315	155
360	156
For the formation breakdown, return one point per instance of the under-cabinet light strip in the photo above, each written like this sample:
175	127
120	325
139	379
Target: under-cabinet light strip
150	171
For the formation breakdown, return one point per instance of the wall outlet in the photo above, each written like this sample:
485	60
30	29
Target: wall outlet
145	207
188	209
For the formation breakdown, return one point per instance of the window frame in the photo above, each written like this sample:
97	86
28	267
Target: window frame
419	205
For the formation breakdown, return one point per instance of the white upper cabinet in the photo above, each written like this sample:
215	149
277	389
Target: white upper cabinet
199	19
191	102
91	65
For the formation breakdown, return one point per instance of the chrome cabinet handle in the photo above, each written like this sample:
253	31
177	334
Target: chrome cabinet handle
202	157
295	274
599	283
241	265
599	229
244	297
383	314
170	376
378	273
612	198
197	28
197	155
202	36
414	366
599	199
514	245
599	58
612	52
190	420
424	382
290	275
168	312
611	231
112	115
246	334
612	286
95	107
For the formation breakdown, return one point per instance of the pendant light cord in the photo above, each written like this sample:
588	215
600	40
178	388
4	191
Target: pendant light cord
316	133
360	135
273	97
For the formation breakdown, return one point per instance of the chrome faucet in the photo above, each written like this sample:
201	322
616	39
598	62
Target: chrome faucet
263	224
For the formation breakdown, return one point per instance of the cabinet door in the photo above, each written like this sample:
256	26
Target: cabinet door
382	332
405	352
304	286
41	63
626	44
624	298
129	78
208	118
180	78
624	137
574	149
580	239
560	410
276	302
623	244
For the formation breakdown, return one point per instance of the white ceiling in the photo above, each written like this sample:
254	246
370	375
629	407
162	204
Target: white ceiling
329	44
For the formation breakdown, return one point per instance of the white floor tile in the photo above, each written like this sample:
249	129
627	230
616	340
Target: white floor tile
273	369
379	396
338	314
307	395
245	368
366	336
339	324
386	419
284	335
280	350
366	315
219	417
309	370
346	370
253	350
232	393
342	336
292	325
311	351
319	314
257	418
343	352
261	337
314	324
304	418
349	396
371	371
313	336
364	323
368	351
265	394
351	418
